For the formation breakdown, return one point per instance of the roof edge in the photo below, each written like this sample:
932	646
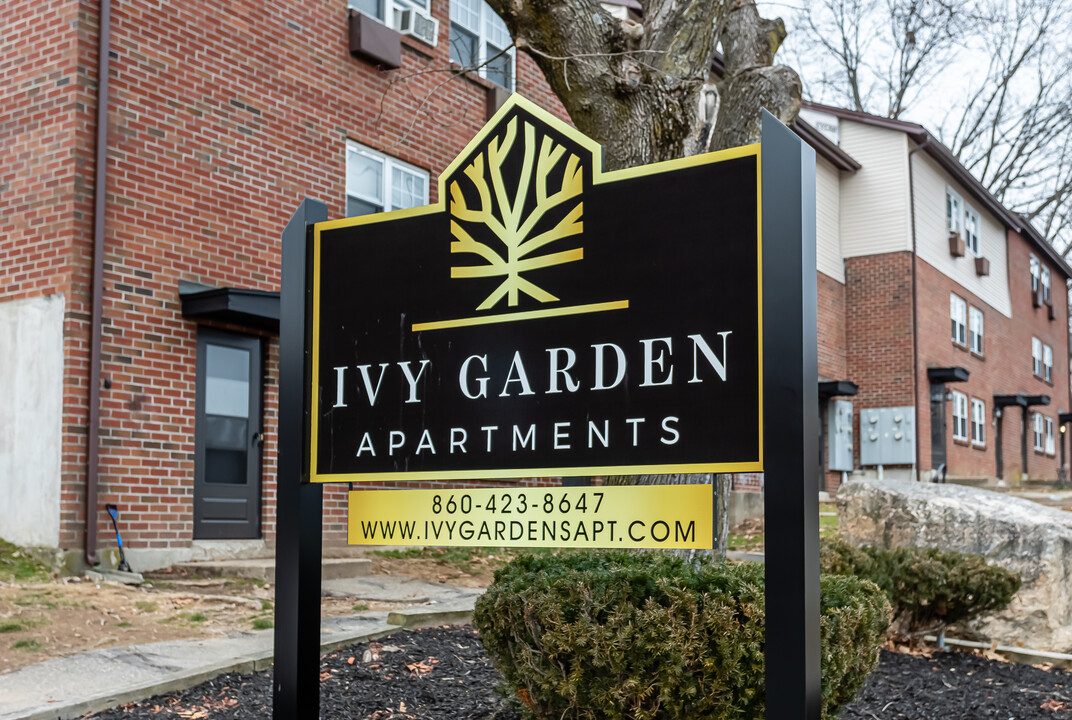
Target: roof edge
825	147
948	162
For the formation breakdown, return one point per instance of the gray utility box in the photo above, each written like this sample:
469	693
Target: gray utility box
888	436
839	428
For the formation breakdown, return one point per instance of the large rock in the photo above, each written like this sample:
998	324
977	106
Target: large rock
1031	539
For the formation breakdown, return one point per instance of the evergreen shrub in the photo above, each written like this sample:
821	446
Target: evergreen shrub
927	588
649	636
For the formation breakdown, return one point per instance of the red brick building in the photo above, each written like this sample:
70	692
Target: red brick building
221	117
939	306
157	242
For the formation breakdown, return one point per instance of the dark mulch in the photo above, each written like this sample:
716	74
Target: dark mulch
443	674
960	686
437	673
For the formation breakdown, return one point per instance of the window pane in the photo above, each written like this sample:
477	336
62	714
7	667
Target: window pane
463	46
226	381
407	189
364	177
500	70
466	13
495	30
369	7
355	207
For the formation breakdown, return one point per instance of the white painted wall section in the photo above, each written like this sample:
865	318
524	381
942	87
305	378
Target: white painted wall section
932	239
31	405
875	213
828	220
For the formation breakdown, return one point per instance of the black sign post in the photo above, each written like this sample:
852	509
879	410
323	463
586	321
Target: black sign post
791	482
299	505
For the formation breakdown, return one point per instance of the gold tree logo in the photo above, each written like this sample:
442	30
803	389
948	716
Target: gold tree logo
523	193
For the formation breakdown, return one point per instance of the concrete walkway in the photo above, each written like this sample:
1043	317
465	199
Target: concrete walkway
71	686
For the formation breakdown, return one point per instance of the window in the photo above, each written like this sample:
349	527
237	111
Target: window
378	183
1036	356
978	422
1039	432
954	211
479	39
957	315
971	231
387	11
975	330
1035	270
1047	363
1049	435
960	416
1045	276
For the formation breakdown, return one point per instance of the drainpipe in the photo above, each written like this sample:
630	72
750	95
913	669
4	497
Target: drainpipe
915	297
100	190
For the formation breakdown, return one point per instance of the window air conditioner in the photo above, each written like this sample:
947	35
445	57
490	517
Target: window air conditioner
419	25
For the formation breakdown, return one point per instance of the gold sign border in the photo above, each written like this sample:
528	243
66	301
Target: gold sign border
599	177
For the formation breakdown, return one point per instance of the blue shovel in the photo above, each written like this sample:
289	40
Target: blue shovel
124	566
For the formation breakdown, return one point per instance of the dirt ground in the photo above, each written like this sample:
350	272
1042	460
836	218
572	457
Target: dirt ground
43	620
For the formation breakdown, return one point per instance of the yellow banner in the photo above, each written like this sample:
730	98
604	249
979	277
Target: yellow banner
667	517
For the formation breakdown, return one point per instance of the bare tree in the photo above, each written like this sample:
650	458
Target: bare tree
1014	132
1001	68
885	51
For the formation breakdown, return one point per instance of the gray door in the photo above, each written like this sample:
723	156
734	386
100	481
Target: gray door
227	473
938	455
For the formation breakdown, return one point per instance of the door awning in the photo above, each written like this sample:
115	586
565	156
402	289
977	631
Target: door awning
239	306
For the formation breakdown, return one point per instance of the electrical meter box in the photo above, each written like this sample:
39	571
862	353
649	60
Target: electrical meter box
888	436
839	430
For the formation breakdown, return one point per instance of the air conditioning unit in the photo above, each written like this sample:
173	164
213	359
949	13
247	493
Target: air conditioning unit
411	21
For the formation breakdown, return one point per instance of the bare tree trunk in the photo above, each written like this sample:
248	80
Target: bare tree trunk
642	90
723	484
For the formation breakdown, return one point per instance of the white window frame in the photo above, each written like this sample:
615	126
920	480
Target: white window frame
960	416
389	165
1035	267
1045	280
388	11
954	211
978	422
958	316
972	224
1039	430
975	330
487	22
1047	363
1050	447
1036	357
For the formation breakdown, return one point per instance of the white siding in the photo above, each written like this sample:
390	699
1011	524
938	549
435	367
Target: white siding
932	239
31	385
827	220
874	199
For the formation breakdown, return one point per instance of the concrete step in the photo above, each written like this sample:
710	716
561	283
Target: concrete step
264	568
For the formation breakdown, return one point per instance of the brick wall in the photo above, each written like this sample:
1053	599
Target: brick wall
224	115
1004	368
878	334
47	83
832	348
831	329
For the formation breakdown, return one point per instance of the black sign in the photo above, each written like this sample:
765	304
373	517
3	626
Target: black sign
544	318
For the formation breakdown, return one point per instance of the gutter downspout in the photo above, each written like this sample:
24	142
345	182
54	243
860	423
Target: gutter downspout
915	298
100	191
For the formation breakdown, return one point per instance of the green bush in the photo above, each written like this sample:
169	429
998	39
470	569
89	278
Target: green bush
648	636
927	588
